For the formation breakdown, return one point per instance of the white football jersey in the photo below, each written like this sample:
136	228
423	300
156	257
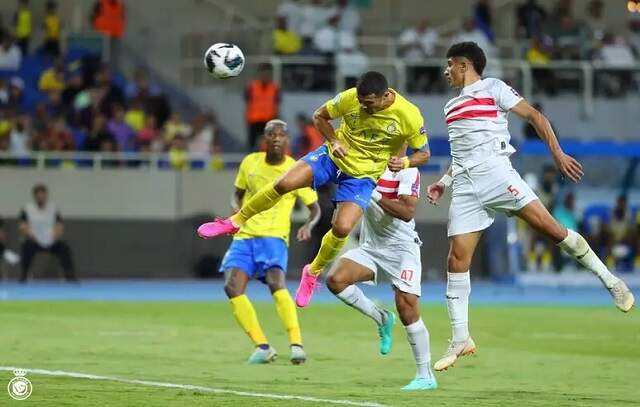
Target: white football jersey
379	228
477	122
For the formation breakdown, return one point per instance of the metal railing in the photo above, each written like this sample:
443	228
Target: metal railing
81	160
518	72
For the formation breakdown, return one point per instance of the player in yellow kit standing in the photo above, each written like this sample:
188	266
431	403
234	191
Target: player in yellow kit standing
259	249
375	122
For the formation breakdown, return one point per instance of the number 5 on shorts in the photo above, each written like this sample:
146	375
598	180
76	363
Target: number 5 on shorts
406	275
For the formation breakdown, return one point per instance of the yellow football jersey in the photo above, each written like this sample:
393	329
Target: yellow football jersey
255	173
373	138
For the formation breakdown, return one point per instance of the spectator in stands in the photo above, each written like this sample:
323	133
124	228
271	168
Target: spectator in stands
291	11
175	127
142	87
349	16
58	136
314	17
530	134
17	100
596	22
539	55
548	187
530	18
52	79
202	140
483	18
416	44
124	134
327	39
540	251
110	94
10	55
350	61
309	138
99	133
4	93
20	139
54	104
149	135
285	41
619	236
615	53
135	116
73	86
52	27
23	26
178	155
42	230
569	39
262	98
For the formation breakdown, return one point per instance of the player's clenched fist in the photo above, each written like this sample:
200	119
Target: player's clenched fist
338	149
435	192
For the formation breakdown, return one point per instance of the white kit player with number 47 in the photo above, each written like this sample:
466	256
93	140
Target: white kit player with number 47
389	244
483	182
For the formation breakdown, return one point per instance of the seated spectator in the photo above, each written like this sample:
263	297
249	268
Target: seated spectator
17	100
291	11
483	18
148	135
20	139
530	19
540	251
178	155
173	127
416	44
596	22
125	135
569	39
326	39
309	138
109	93
350	61
72	88
52	79
42	230
98	134
10	55
539	55
619	236
615	53
142	87
58	136
54	104
52	27
349	16
202	139
135	116
285	41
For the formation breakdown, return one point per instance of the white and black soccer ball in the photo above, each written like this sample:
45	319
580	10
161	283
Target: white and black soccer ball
224	60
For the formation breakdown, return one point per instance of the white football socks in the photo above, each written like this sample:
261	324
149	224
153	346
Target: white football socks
576	246
458	290
418	337
354	297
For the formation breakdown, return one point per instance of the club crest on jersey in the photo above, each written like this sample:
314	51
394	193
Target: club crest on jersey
391	128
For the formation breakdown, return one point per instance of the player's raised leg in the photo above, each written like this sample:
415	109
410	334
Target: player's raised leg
245	314
408	306
572	243
341	282
299	176
275	278
461	249
345	218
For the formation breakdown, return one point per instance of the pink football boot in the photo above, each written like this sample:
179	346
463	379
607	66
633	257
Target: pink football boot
308	284
219	226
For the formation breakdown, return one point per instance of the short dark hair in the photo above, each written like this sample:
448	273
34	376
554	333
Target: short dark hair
472	52
372	82
39	188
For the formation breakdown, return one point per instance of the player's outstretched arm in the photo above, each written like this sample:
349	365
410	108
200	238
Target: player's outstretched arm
436	190
322	121
568	166
403	208
304	233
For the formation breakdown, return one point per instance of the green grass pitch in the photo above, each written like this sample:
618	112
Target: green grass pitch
527	356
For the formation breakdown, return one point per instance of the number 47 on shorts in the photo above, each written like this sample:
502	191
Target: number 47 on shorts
406	275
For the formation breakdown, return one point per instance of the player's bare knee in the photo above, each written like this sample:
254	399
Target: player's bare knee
275	280
232	289
337	281
457	263
408	307
342	228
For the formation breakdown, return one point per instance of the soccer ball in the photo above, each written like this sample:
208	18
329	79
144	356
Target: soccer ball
224	60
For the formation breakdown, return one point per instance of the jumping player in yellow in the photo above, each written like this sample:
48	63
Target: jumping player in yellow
259	249
375	122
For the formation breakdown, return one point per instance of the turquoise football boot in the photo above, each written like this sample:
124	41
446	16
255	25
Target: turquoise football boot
385	331
420	383
260	356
